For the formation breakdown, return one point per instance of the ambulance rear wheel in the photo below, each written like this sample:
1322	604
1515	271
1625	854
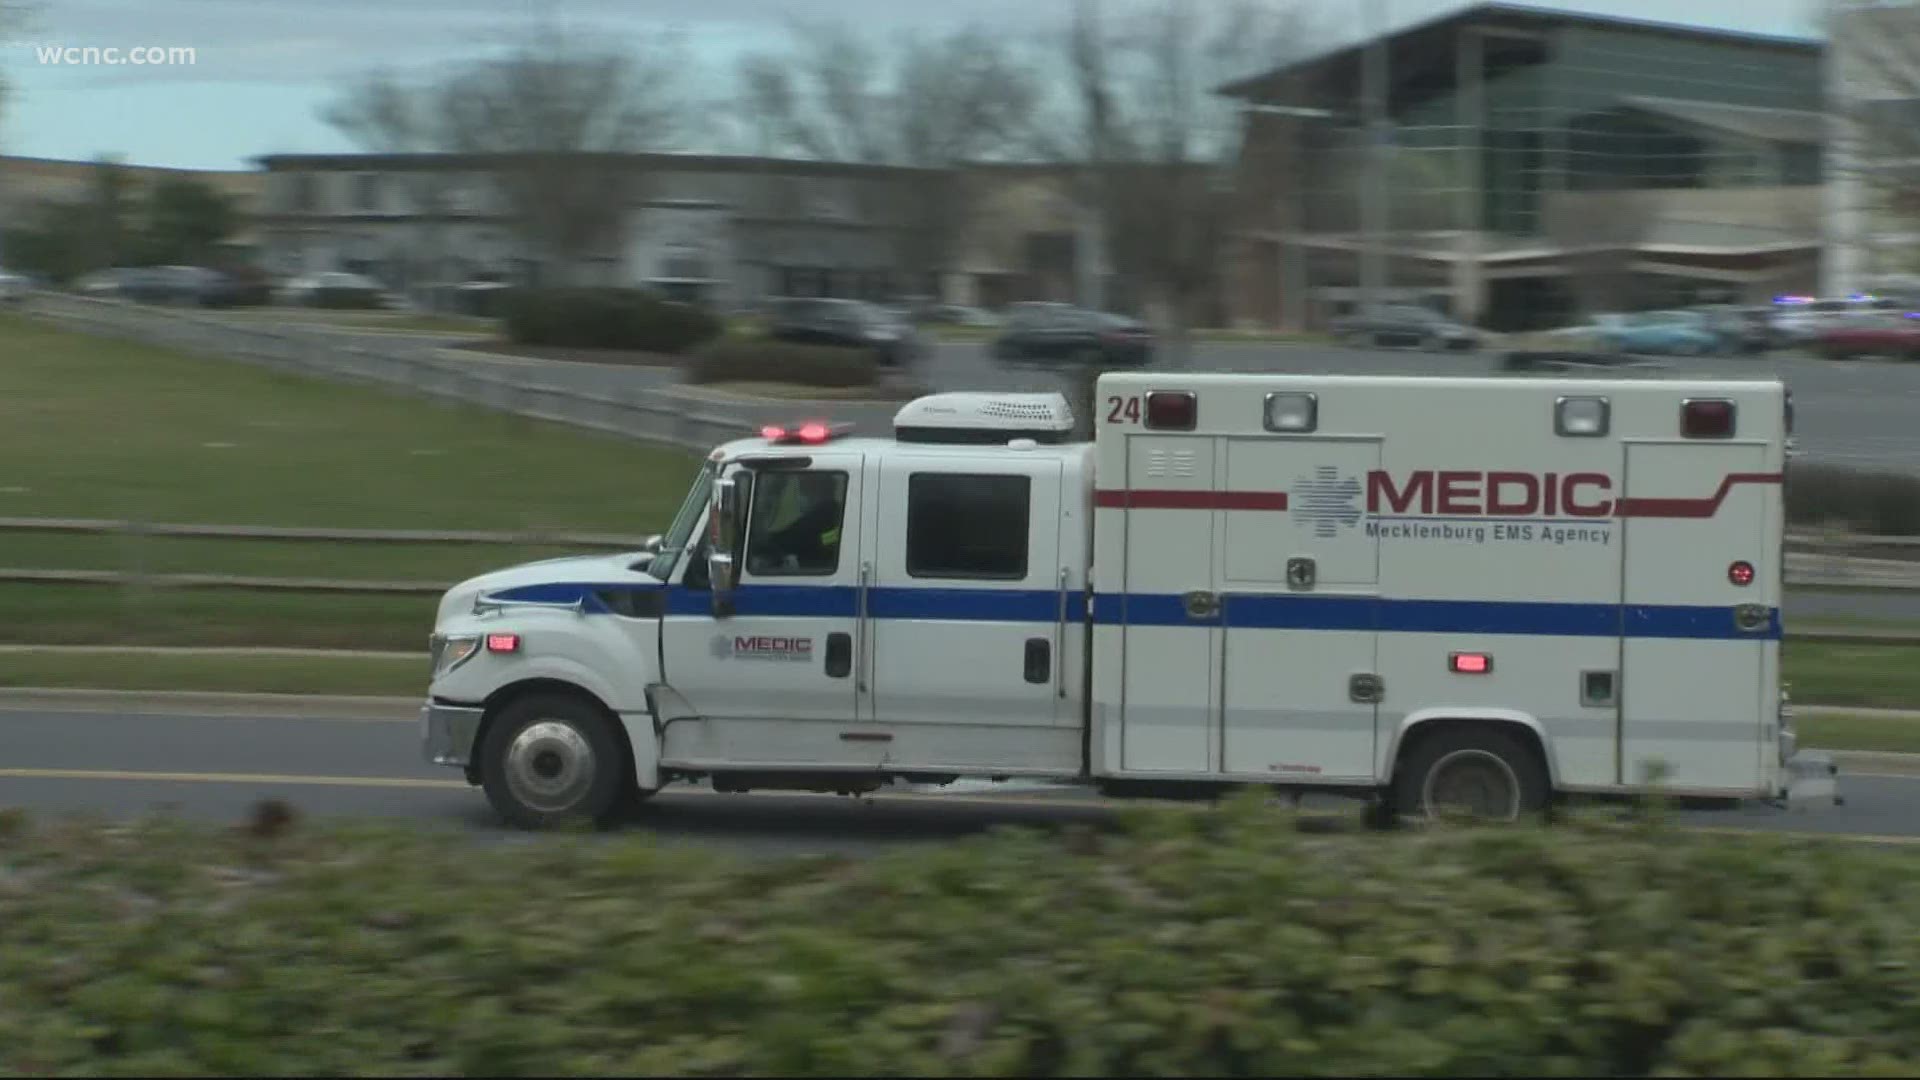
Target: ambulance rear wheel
1477	773
552	759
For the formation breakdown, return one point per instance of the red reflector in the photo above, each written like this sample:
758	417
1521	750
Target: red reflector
1740	573
1171	410
1710	418
1470	663
503	642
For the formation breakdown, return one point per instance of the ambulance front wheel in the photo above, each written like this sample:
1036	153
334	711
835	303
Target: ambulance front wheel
552	759
1476	772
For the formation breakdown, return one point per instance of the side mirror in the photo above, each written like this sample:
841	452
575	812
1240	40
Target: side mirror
652	544
724	514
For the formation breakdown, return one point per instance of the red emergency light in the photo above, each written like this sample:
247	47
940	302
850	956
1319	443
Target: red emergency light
503	642
1470	663
811	433
1172	410
1706	418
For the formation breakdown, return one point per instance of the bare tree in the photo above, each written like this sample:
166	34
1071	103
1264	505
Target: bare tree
1600	233
1875	152
384	114
562	122
1159	143
929	101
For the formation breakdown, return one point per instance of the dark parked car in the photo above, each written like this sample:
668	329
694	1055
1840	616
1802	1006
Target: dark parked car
849	323
1058	332
1404	324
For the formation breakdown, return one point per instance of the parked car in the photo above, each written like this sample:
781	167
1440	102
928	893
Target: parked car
333	289
1742	330
1671	333
856	323
13	287
1042	332
1798	321
956	315
1890	337
1577	360
1404	324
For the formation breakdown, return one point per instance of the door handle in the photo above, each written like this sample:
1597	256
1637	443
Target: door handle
1039	659
839	655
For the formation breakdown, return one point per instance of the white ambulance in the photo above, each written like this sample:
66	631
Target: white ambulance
1483	593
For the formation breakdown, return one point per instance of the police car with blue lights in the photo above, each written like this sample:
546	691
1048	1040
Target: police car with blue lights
1473	594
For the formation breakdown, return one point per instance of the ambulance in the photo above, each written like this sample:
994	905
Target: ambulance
1482	594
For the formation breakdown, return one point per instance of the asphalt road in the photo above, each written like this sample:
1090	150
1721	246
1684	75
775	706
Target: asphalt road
213	768
1865	414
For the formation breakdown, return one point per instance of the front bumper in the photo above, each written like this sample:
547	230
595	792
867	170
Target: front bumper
447	733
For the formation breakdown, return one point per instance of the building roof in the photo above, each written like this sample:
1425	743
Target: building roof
1769	125
353	162
1523	14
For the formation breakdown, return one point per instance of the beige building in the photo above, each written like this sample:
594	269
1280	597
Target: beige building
1872	204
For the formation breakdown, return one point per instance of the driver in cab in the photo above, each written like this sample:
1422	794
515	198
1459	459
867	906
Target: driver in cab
809	540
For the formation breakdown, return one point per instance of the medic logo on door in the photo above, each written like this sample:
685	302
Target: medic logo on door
792	650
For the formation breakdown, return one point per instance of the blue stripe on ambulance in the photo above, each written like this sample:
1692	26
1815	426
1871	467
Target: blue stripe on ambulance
1527	618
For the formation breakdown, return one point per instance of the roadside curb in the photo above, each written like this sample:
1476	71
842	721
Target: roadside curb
209	703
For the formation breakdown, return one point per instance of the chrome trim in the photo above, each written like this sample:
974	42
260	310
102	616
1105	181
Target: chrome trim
860	630
1060	640
485	602
448	732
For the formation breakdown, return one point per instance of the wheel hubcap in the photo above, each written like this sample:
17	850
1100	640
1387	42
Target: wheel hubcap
1473	782
550	766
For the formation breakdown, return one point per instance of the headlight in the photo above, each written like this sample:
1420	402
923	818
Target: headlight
451	652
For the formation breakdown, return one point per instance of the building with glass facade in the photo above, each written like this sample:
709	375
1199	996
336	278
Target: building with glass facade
1536	166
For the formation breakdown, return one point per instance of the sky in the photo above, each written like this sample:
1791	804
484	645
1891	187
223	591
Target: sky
262	71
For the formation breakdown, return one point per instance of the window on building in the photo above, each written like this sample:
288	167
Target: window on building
969	526
302	193
794	529
366	192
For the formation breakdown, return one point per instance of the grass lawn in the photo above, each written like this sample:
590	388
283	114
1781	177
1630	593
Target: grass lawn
1883	733
91	427
1871	676
216	673
59	614
266	558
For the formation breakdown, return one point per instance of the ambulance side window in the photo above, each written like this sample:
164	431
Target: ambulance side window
794	527
967	526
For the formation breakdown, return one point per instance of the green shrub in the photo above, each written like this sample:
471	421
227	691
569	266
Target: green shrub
1212	943
1879	503
737	359
601	318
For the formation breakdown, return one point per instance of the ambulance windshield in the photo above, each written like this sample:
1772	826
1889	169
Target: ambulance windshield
681	532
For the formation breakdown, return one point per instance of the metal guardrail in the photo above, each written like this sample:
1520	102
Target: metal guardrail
644	415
